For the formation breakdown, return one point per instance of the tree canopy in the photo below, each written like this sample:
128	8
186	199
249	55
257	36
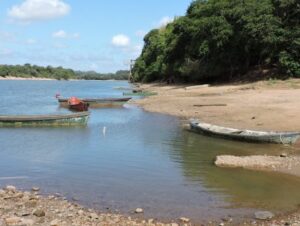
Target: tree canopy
222	40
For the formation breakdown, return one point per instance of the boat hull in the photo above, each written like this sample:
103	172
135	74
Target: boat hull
76	119
98	103
244	135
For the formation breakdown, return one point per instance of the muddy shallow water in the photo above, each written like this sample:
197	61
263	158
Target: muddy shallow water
142	160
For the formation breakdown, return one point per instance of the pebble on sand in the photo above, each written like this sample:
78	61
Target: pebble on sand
263	215
139	210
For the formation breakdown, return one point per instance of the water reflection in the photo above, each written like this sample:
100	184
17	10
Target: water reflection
240	187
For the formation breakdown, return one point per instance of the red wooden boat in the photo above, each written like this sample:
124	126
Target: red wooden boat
77	104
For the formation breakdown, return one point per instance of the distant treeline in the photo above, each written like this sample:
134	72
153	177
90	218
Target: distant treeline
92	75
59	73
33	71
221	40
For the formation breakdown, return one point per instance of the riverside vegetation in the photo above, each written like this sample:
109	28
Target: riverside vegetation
223	40
59	73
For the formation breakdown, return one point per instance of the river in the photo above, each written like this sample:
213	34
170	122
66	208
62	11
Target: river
143	159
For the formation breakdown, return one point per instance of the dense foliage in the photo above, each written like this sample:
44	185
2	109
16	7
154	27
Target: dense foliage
222	40
92	75
33	71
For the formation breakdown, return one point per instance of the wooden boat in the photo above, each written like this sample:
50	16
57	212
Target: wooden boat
79	118
98	102
244	135
77	104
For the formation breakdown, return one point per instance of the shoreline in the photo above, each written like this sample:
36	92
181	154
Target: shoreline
21	78
262	106
30	208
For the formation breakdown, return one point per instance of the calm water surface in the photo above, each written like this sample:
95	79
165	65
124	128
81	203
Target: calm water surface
144	160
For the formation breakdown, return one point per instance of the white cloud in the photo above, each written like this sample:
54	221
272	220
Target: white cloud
64	34
164	21
59	34
7	36
31	41
120	40
38	10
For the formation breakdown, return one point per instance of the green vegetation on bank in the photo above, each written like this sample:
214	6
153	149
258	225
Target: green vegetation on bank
92	75
33	71
221	40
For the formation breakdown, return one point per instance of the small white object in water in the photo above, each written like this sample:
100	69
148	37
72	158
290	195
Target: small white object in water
104	130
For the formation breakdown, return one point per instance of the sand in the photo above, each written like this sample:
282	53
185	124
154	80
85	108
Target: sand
269	105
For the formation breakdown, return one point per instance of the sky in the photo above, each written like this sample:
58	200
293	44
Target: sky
99	35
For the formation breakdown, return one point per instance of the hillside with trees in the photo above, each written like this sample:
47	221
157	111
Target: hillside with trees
59	73
222	40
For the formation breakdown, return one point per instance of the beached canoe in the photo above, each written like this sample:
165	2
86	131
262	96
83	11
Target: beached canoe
97	102
74	119
244	135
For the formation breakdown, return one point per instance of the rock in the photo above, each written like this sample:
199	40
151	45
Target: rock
2	192
139	210
283	155
12	220
80	212
184	220
35	188
39	213
23	214
11	188
19	195
55	222
75	199
227	219
31	203
94	216
150	221
174	224
221	224
263	215
27	222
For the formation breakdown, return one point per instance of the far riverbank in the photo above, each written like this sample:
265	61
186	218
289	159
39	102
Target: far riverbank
21	78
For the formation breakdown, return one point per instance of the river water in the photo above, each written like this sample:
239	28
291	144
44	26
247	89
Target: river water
143	160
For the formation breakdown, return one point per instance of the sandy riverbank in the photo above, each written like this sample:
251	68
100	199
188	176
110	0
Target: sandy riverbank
20	78
267	105
283	164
